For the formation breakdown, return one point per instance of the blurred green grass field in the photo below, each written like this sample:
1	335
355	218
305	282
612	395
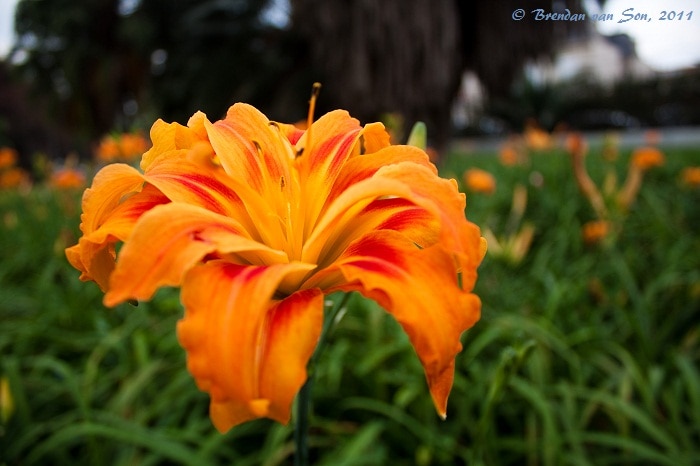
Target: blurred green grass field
585	354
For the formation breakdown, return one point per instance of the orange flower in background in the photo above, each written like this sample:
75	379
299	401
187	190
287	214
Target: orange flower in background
595	231
13	177
508	155
645	158
256	221
122	147
535	137
108	150
67	178
690	176
479	181
8	157
133	145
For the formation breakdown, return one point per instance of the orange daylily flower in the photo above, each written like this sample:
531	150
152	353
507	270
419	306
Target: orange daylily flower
595	230
13	177
8	157
67	178
108	150
647	157
642	159
690	176
479	181
535	137
121	147
508	155
256	221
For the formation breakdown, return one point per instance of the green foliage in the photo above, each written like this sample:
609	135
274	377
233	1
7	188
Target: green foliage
585	354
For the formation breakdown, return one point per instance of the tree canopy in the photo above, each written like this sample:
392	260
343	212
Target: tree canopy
102	65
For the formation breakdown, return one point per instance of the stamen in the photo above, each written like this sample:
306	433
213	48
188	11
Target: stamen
315	90
258	149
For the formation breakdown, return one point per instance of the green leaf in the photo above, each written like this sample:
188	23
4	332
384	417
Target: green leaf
418	136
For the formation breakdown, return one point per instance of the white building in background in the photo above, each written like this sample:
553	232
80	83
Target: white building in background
588	54
605	59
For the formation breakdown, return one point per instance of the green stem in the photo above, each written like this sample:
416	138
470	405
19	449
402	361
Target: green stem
301	428
303	408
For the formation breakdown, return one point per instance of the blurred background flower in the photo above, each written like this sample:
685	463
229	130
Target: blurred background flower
67	178
690	176
8	157
645	158
124	147
595	231
479	181
11	176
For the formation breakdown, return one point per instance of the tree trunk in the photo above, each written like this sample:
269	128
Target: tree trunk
390	56
380	56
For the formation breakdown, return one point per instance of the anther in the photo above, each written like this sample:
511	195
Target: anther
315	90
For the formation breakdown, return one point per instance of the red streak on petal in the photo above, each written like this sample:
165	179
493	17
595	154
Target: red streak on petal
344	147
371	255
294	136
402	220
232	271
203	186
374	266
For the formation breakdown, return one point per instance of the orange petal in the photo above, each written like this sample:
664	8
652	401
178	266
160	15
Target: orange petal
108	189
246	350
291	132
334	138
332	225
294	328
169	137
374	204
257	158
110	209
442	197
419	288
121	221
415	223
189	182
375	137
417	184
363	167
95	252
169	240
94	261
250	148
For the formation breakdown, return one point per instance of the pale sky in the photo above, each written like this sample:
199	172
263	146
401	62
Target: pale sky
663	45
7	16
